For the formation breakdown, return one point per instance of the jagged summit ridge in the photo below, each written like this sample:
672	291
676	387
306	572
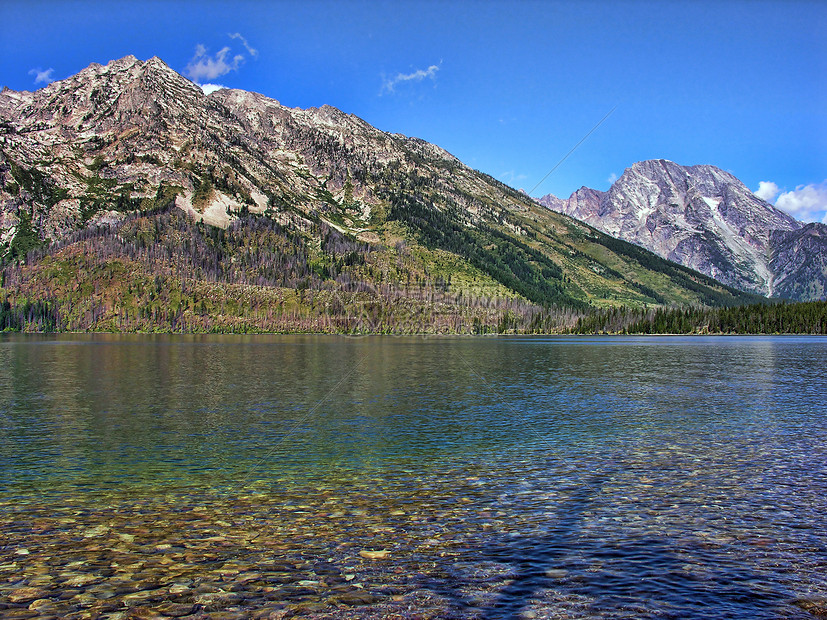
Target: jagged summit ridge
699	216
148	126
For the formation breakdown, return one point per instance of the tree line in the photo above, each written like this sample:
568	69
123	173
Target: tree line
761	318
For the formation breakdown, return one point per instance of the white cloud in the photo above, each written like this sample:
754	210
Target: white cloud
807	203
389	84
767	190
211	88
612	178
250	50
44	76
206	67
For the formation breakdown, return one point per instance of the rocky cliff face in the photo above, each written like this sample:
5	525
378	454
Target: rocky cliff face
798	260
706	219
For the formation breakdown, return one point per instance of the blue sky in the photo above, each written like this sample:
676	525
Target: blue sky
508	87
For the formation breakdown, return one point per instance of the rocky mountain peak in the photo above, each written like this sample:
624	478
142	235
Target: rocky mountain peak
699	216
687	188
101	96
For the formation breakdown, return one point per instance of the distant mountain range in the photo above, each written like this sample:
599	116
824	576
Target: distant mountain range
129	199
706	219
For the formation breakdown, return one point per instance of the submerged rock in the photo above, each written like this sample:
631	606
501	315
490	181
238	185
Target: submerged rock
175	610
27	595
816	605
356	597
374	555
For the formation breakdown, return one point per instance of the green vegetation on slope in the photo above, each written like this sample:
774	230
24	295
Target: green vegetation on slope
509	261
162	272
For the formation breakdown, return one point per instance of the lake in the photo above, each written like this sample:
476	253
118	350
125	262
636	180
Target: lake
331	477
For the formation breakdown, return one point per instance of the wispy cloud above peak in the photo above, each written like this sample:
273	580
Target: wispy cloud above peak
389	84
42	76
206	67
250	50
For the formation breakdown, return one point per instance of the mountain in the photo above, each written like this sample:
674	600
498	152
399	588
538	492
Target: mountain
706	219
129	199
